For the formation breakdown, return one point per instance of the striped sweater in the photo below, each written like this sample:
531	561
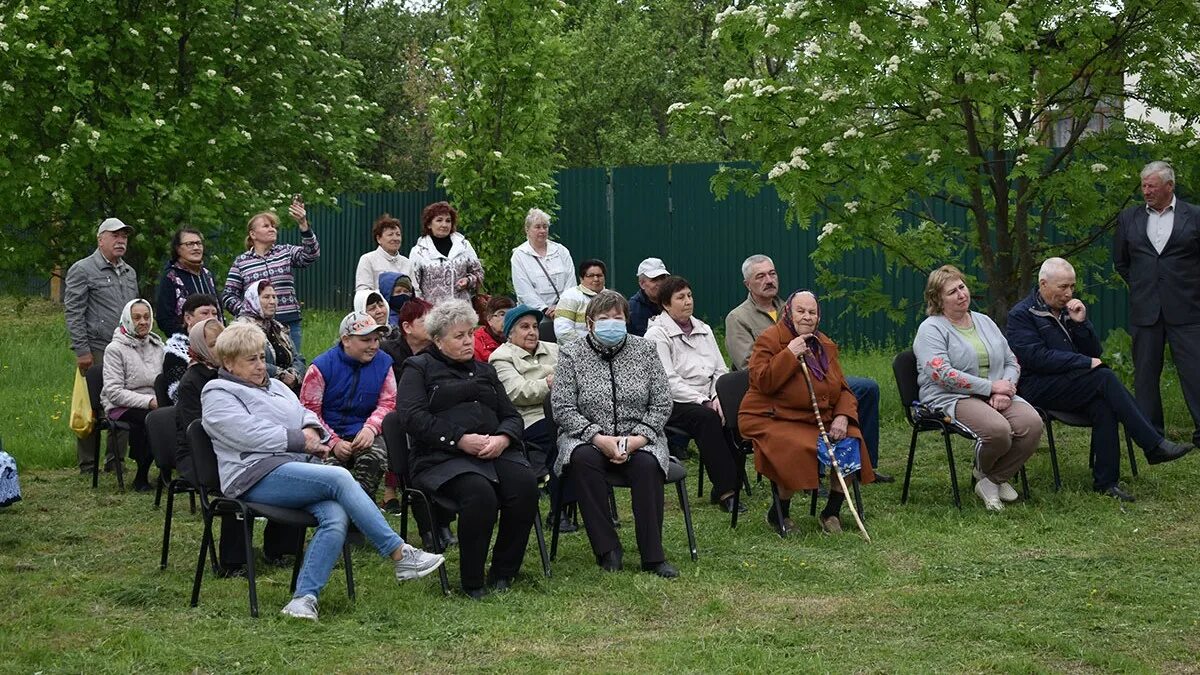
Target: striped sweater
276	266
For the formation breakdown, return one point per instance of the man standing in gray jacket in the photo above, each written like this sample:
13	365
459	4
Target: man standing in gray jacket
96	289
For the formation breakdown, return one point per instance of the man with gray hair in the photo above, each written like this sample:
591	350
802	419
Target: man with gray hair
1061	369
95	291
759	312
1156	250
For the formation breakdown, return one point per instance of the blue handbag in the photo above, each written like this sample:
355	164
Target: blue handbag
847	451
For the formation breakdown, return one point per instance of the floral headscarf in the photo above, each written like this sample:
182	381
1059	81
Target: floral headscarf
251	304
816	357
126	322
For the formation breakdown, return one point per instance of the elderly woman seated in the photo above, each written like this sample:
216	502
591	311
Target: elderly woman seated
693	362
269	450
132	361
258	307
611	402
466	447
966	370
777	414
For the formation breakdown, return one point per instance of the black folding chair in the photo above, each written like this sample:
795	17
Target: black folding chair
95	382
546	331
676	474
160	391
160	430
1075	419
922	418
396	440
213	504
731	389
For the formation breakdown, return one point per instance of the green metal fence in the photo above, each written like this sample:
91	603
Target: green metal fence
625	214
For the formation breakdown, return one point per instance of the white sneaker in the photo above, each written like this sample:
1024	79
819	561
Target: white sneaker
1008	493
303	607
989	492
417	563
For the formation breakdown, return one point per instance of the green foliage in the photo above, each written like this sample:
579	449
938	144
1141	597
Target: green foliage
630	62
871	117
496	120
166	114
393	44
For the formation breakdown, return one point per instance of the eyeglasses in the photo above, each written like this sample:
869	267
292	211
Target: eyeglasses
594	275
192	244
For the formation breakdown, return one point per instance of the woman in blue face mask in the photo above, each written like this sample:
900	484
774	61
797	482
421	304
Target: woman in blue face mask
611	401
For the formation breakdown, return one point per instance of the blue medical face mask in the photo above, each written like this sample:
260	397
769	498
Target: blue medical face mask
610	332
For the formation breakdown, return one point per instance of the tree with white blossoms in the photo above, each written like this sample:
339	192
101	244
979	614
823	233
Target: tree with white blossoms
871	118
496	119
168	114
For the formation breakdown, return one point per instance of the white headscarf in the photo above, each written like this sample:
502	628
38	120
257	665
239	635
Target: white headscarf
126	323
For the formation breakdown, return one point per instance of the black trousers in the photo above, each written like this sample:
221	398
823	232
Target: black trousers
278	540
1148	344
704	425
514	499
139	444
1100	394
641	471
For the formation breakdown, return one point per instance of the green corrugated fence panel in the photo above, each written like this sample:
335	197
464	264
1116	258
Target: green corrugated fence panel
625	214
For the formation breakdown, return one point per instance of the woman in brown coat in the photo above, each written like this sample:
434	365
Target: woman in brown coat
777	413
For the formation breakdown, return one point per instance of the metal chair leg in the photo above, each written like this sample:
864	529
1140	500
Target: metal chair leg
1024	483
205	542
912	455
612	507
99	454
404	515
166	539
858	501
299	559
700	475
437	541
812	507
687	518
247	540
158	490
737	494
349	565
541	540
1054	454
1132	457
953	470
556	497
778	506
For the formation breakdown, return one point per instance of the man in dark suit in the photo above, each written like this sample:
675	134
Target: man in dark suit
1157	251
1061	369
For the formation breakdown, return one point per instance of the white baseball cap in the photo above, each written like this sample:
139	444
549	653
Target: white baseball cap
113	225
359	323
652	268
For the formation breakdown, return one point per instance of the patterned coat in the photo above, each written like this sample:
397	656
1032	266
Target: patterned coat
626	394
435	276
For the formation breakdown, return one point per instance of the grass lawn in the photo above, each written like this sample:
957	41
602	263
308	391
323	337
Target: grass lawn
1068	582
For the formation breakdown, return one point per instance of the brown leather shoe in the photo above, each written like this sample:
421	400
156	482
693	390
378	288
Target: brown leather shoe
831	525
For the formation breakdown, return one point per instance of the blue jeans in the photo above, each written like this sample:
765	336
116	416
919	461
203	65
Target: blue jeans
335	499
297	358
866	391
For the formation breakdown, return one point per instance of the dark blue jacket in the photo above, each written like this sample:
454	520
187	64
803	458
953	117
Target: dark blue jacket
1048	344
387	286
175	284
351	388
641	310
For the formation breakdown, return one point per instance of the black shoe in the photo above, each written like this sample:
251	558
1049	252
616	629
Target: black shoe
727	505
476	593
611	561
447	537
565	524
501	584
782	530
1167	451
1117	493
663	569
143	485
881	477
392	507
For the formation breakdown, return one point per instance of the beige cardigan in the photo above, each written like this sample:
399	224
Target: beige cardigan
524	377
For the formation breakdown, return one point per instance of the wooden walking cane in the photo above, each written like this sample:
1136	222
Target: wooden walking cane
837	470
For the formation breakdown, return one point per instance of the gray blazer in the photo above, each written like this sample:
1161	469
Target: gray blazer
1163	285
948	366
